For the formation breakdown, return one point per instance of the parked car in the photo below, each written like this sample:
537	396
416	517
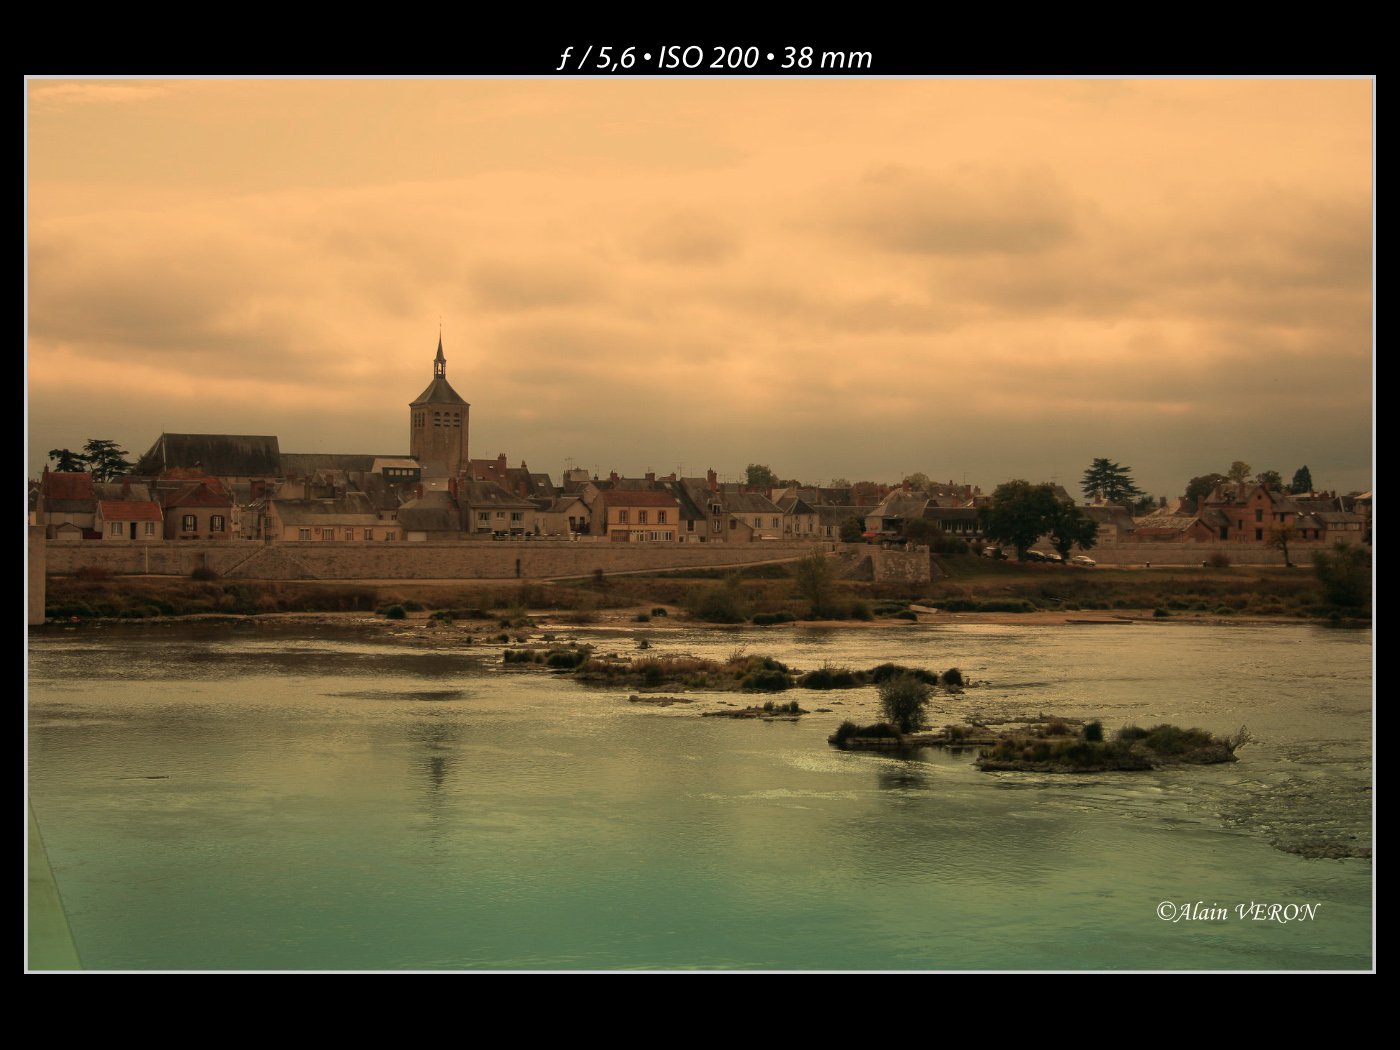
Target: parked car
1085	561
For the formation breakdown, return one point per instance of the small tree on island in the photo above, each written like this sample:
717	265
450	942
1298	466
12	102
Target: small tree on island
903	701
816	580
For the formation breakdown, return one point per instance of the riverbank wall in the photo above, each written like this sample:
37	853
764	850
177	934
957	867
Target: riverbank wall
414	561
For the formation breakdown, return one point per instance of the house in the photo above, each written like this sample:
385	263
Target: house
136	521
349	516
649	516
67	499
487	510
197	510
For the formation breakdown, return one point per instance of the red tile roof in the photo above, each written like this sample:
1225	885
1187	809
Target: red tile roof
205	493
67	486
129	510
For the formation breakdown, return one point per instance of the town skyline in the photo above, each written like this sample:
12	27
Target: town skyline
977	280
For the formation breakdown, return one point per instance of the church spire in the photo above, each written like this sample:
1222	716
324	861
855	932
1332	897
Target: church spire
440	362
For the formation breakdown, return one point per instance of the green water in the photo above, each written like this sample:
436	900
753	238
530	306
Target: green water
225	798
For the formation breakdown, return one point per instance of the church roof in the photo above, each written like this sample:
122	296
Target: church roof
439	392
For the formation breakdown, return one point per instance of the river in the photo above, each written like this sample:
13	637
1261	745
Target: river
273	796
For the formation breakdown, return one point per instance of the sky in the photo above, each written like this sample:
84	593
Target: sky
980	280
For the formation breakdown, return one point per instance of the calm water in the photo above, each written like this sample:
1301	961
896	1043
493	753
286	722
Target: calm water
329	799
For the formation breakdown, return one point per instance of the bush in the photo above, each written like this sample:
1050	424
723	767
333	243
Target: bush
396	612
1218	560
903	700
1093	732
1343	572
203	572
953	677
765	681
860	610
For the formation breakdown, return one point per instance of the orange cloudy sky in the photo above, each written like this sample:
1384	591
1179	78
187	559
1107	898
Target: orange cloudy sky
980	280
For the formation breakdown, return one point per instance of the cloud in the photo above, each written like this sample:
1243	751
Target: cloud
91	94
965	211
689	238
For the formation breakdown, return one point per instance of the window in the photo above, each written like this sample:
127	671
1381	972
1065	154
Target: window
216	523
622	517
115	529
1258	534
641	517
188	523
327	534
391	535
150	528
303	534
1258	515
517	516
369	534
717	527
437	419
483	516
775	523
661	517
758	523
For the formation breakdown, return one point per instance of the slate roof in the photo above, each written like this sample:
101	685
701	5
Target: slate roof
747	503
115	490
480	494
434	511
304	463
354	508
219	455
439	392
648	498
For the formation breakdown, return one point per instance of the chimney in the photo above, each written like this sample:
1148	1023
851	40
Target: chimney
419	490
452	488
713	479
651	479
126	487
904	484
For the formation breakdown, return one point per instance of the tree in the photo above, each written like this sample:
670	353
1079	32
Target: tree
853	530
1272	478
1071	527
762	476
920	531
1111	481
106	459
68	462
917	480
816	580
1239	470
1019	513
839	483
1197	489
1343	573
903	700
1280	536
1302	481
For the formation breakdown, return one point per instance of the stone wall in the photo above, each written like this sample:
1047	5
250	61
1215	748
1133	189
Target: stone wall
38	580
536	559
900	566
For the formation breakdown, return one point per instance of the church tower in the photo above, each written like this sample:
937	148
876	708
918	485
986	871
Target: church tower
438	423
